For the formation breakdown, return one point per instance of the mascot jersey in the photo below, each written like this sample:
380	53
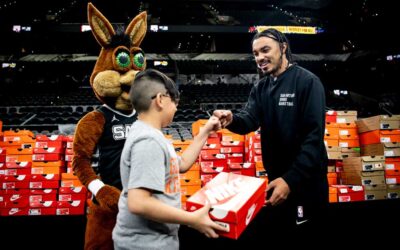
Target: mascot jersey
111	143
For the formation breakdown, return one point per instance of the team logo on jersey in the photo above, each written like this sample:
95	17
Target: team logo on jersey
114	119
120	131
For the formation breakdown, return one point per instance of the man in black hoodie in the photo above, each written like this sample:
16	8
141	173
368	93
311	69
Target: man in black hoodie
288	103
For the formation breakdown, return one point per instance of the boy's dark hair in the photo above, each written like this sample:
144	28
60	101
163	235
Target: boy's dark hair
277	36
147	85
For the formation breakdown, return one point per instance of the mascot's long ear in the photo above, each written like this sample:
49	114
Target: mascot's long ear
137	29
101	27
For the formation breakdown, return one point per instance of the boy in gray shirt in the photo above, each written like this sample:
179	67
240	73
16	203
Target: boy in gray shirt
150	202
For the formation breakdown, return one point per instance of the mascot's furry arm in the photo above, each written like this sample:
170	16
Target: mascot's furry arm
88	132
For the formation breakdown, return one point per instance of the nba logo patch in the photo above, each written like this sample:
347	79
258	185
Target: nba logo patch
300	212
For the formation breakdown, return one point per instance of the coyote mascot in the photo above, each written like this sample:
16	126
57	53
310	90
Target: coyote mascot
105	129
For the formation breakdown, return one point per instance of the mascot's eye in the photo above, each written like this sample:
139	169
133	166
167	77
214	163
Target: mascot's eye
138	60
123	59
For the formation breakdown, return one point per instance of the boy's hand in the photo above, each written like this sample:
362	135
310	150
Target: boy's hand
204	224
213	125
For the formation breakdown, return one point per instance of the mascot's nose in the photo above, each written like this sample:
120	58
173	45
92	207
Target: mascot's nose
128	77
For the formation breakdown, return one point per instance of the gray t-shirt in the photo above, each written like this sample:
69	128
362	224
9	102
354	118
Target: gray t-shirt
148	161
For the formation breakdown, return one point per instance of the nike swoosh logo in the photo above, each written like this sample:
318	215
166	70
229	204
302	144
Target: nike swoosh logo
14	197
250	213
13	211
300	222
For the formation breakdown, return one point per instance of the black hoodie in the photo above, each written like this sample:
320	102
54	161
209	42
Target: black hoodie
290	110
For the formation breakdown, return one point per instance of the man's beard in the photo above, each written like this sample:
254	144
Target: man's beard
273	70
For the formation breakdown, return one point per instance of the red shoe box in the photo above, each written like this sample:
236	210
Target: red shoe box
48	157
247	168
17	171
16	164
72	190
70	207
14	211
44	184
235	199
38	195
45	177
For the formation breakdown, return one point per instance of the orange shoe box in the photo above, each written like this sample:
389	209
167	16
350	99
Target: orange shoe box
379	136
19	151
18	138
71	183
349	141
333	198
18	158
235	199
47	170
190	182
48	164
197	125
189	190
392	166
10	144
332	178
19	132
189	187
191	174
